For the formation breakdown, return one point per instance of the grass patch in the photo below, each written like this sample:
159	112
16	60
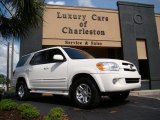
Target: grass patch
26	111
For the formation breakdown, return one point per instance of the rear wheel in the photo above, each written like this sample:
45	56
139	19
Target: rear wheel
119	96
85	94
22	90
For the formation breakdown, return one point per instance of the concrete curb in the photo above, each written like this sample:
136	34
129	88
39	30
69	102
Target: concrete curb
145	92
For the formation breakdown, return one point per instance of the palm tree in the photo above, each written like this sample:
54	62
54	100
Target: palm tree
18	16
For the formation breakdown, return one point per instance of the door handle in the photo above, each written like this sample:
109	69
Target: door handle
46	68
28	70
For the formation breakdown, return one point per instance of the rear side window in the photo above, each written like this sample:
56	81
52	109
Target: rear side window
22	61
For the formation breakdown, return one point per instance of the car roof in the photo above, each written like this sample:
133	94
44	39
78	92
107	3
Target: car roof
59	47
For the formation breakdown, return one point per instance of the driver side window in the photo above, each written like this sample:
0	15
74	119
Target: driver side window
51	53
45	57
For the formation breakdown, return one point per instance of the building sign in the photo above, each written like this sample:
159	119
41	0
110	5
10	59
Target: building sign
84	43
80	26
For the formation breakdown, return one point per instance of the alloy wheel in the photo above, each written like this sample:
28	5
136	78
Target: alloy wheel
83	93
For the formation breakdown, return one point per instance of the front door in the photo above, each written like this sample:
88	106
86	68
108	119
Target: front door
45	73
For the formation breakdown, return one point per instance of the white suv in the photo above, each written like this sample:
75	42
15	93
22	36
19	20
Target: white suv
73	72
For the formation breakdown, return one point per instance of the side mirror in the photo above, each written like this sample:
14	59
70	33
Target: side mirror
58	58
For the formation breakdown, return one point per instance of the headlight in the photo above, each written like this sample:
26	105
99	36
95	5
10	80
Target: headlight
107	66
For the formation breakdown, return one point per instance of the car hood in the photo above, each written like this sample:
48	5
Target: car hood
93	62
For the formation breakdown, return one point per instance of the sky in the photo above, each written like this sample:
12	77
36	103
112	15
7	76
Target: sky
3	54
106	4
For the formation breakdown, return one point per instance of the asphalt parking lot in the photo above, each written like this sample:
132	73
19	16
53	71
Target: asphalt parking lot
134	108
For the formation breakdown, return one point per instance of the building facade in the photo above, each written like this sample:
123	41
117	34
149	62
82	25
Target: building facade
131	33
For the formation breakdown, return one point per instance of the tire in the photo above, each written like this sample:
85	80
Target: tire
22	91
119	96
85	94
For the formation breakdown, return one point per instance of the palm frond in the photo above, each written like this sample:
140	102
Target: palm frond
28	14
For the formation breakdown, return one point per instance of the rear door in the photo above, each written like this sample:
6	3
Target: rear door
46	73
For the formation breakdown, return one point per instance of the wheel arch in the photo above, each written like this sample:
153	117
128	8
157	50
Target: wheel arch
21	79
22	90
80	75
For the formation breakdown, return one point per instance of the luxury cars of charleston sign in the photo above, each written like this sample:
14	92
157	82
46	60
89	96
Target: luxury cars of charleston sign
84	27
82	24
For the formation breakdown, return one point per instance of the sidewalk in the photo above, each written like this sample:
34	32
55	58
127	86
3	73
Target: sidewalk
146	93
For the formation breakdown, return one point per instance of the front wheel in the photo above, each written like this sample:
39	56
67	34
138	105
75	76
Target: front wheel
22	90
119	96
85	94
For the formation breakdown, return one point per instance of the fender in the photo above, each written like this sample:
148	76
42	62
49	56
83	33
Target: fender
89	71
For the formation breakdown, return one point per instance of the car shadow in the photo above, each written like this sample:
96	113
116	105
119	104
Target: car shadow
67	102
55	99
108	103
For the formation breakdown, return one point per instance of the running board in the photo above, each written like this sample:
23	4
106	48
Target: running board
50	92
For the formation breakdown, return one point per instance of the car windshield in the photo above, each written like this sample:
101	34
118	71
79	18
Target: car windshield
77	54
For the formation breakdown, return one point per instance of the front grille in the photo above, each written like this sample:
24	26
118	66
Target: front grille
125	69
128	67
132	80
125	63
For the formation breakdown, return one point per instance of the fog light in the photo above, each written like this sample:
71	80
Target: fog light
115	80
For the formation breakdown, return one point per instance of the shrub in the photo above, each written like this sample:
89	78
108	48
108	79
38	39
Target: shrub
55	114
8	104
24	106
28	111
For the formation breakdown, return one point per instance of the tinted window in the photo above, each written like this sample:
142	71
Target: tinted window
39	58
22	61
45	57
77	54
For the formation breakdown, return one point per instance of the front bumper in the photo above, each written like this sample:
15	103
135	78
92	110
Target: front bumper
121	81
